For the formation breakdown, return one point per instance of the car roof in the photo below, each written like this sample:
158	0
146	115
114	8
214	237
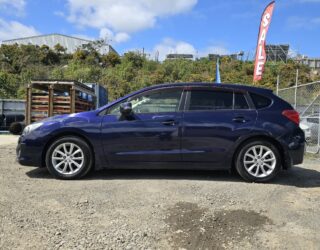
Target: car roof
212	84
226	86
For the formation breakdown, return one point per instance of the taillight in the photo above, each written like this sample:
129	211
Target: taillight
292	115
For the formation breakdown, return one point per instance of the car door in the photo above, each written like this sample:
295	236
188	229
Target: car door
154	133
213	121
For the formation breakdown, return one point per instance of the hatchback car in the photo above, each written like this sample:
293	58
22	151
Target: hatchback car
172	126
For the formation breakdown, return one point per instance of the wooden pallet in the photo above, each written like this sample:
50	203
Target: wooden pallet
61	111
39	108
82	105
38	117
62	99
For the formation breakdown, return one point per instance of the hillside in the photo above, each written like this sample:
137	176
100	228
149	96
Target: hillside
20	64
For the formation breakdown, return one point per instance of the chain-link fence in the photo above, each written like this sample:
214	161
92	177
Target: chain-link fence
305	99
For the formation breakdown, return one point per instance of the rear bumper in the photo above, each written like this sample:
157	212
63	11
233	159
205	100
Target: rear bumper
294	154
297	154
28	155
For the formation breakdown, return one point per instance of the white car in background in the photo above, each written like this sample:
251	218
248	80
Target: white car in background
307	130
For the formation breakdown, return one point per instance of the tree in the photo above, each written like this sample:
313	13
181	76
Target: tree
135	59
80	55
110	60
58	48
21	63
9	84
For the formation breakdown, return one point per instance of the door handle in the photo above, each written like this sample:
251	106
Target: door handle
169	122
240	119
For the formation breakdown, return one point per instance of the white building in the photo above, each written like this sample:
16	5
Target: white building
68	42
313	63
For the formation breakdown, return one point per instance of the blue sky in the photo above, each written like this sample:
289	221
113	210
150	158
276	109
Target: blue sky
183	26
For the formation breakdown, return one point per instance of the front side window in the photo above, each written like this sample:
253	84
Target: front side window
210	100
158	101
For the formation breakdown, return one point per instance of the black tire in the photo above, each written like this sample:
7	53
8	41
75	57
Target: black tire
240	158
86	155
16	128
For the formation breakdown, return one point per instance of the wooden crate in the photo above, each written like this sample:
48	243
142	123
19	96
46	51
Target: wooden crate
82	105
39	106
61	105
53	97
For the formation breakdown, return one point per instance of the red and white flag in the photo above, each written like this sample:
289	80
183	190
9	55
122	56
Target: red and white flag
261	50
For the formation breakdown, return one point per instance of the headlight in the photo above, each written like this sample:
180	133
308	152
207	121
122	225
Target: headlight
27	130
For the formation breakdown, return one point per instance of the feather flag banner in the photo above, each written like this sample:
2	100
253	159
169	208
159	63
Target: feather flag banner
260	58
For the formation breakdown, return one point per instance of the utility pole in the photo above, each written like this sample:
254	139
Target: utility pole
278	83
296	89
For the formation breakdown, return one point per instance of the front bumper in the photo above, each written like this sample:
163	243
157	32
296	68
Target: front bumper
28	155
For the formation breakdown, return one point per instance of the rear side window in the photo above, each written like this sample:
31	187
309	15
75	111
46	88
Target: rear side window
240	101
260	101
210	100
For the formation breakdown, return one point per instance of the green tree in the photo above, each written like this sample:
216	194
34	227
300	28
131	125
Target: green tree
110	60
121	75
9	84
58	48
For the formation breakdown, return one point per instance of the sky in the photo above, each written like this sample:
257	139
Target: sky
198	27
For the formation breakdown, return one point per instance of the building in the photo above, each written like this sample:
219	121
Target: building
68	42
236	56
277	53
179	56
313	63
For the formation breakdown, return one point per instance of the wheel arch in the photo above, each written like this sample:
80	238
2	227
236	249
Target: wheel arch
276	143
65	134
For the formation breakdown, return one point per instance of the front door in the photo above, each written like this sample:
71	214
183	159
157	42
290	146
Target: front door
153	135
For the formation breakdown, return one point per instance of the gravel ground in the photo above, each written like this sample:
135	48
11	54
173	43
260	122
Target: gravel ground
156	209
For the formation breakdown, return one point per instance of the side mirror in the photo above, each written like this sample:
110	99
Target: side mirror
126	109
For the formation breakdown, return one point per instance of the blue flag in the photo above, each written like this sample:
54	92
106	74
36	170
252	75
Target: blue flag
218	79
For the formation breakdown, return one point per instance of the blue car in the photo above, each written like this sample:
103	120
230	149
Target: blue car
172	126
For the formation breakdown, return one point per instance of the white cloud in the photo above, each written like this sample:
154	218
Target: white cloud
59	13
112	38
295	22
13	29
13	6
292	53
123	17
121	37
169	46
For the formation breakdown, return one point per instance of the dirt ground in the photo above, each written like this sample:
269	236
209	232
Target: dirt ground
156	209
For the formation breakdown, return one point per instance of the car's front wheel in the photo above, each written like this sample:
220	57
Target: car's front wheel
69	158
258	161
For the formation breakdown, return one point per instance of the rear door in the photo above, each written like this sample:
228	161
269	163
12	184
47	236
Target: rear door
213	120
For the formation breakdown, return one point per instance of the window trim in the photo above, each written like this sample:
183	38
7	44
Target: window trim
180	105
254	106
233	91
245	94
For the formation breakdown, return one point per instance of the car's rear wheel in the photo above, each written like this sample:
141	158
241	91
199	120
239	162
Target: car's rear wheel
69	158
258	161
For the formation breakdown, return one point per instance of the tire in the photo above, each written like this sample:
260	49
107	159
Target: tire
69	158
254	166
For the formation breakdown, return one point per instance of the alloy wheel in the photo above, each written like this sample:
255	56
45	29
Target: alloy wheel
259	161
67	158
